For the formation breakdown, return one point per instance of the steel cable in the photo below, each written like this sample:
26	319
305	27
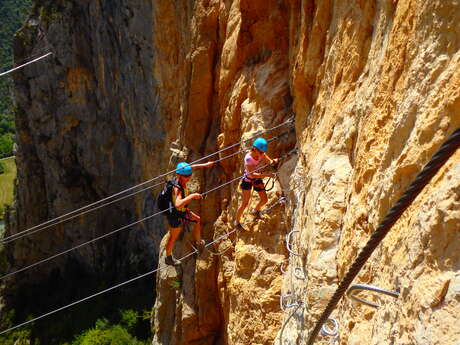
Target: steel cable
103	291
119	229
25	64
138	277
422	179
90	207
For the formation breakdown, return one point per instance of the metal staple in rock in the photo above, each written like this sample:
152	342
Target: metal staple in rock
328	332
422	179
358	287
288	242
285	305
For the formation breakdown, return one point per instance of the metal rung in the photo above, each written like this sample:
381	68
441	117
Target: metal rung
359	287
299	273
282	266
328	332
288	243
285	305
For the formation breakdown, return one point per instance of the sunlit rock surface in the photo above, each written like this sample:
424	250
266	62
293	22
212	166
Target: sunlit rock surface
374	89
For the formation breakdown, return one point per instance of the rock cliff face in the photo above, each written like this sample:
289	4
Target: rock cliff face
375	89
88	126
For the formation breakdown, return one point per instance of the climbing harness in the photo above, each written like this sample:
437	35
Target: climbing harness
288	242
25	64
2	159
91	207
359	287
422	179
272	180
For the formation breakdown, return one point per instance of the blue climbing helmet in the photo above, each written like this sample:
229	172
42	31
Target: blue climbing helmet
184	169
260	144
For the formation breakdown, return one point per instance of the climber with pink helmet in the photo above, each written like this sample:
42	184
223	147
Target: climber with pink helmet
253	160
179	213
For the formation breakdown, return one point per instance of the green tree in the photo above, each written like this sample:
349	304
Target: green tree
6	144
106	334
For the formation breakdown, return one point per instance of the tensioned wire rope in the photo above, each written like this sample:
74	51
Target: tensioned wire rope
111	288
25	64
20	235
150	272
90	207
38	52
123	227
422	179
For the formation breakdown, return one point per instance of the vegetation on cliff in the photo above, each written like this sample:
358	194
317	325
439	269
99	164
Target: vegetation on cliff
12	15
124	327
7	176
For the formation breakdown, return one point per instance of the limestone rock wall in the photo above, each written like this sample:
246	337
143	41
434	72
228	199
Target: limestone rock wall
375	91
236	67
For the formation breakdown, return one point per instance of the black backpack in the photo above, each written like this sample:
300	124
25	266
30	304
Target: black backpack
164	200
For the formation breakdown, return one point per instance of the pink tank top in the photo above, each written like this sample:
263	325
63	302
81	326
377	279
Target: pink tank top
249	160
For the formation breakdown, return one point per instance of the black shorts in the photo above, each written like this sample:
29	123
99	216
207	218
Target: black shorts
176	218
247	185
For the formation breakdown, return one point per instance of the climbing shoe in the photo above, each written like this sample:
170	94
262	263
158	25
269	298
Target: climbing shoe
238	225
255	213
199	245
169	260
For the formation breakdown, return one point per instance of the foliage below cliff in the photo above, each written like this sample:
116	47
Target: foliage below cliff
125	328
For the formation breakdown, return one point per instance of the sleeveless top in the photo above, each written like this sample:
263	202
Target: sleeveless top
185	193
249	160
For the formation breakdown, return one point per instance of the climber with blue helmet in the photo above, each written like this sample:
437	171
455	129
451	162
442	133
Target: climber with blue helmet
253	160
180	213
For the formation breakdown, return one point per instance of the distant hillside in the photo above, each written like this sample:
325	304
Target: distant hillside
12	15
